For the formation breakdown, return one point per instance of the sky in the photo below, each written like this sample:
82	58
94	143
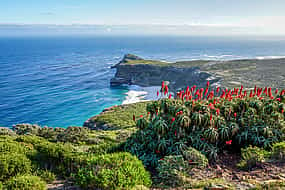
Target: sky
240	16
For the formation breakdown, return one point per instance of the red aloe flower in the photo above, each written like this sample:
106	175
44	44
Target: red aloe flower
157	93
134	118
218	89
175	133
211	117
278	99
141	116
235	114
276	91
218	111
173	119
282	111
162	84
208	83
229	142
250	95
169	96
166	90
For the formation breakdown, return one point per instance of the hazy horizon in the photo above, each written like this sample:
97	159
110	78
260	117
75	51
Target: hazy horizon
128	17
125	30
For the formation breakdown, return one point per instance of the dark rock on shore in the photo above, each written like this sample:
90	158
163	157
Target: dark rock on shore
133	70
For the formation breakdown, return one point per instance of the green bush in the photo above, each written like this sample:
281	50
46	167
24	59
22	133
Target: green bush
74	135
12	164
195	157
208	123
278	151
26	182
102	148
170	169
30	139
6	131
26	129
46	175
54	156
252	156
1	185
112	171
12	147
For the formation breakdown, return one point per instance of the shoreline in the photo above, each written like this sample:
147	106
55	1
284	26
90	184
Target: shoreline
138	93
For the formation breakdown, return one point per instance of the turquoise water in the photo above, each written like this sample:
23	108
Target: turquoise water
63	81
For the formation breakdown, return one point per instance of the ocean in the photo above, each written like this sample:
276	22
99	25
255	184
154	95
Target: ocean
62	81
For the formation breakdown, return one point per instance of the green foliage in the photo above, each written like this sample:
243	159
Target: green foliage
112	171
45	175
12	164
6	131
73	135
26	129
169	169
278	151
195	157
121	116
25	182
251	156
54	156
208	125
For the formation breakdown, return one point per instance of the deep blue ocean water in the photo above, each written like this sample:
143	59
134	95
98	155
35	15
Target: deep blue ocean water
63	81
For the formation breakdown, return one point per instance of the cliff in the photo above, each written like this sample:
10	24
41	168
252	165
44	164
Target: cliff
134	70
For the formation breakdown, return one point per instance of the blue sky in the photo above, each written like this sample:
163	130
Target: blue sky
268	14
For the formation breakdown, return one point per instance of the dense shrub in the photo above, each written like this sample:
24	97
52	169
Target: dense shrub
26	129
251	157
6	131
12	164
73	135
279	151
30	139
54	156
50	133
25	182
170	169
194	157
46	175
12	147
102	148
210	121
112	171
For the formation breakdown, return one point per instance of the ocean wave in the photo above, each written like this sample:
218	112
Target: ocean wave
138	94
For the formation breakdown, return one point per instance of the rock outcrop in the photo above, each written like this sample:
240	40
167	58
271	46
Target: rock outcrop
144	74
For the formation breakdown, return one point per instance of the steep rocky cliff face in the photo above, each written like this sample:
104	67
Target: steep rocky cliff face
230	74
133	70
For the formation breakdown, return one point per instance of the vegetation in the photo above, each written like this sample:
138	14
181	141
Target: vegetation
25	182
112	171
120	117
175	138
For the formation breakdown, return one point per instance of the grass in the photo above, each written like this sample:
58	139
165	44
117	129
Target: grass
121	117
182	64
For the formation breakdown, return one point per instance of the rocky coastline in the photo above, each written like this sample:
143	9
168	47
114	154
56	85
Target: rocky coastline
133	70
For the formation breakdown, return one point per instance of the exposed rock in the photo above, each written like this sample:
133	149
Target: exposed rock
152	75
134	70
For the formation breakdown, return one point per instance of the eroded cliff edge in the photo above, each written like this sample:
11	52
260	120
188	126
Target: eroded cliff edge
134	70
